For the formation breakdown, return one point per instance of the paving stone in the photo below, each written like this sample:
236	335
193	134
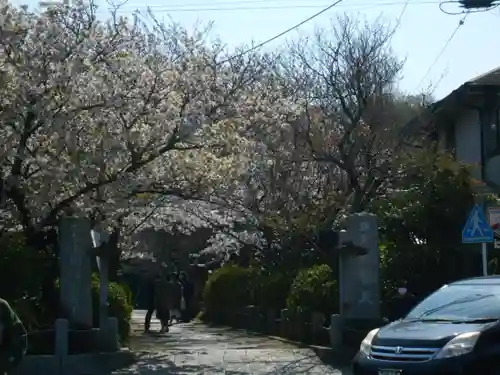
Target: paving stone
194	348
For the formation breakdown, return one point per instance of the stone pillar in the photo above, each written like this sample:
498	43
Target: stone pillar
317	326
109	340
283	329
271	318
359	275
100	238
75	267
335	332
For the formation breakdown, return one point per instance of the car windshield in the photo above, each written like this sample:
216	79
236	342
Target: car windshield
460	303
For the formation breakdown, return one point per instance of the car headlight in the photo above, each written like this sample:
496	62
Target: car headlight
460	345
366	344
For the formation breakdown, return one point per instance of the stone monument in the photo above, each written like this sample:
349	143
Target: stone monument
75	268
360	274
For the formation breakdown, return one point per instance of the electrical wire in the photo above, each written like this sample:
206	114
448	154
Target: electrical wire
400	17
190	8
460	23
272	39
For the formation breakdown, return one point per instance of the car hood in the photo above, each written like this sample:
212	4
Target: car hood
425	334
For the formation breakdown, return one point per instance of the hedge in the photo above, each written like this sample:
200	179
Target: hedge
232	287
229	287
120	306
314	289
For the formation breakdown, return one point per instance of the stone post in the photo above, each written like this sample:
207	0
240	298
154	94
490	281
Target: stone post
271	318
61	349
317	322
75	267
336	332
109	335
283	329
100	238
300	317
359	275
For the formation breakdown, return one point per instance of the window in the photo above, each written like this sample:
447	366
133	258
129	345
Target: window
460	302
490	121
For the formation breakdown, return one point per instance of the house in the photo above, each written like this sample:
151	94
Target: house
467	123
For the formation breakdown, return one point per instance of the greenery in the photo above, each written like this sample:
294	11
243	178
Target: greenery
314	289
120	305
272	288
229	287
420	225
22	272
274	154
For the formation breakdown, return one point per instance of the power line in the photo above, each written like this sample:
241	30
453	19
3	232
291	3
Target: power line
282	33
180	8
400	17
460	23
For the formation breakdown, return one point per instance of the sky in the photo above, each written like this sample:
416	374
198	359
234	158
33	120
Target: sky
422	34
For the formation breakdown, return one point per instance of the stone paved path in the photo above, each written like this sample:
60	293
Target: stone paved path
194	348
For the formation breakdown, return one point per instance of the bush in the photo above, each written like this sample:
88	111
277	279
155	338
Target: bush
22	271
314	289
434	196
229	287
120	306
271	290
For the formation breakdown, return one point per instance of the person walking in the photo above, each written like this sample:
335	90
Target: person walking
175	294
151	302
162	302
13	339
402	302
187	297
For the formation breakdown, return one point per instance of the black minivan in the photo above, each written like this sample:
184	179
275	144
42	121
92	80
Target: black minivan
456	330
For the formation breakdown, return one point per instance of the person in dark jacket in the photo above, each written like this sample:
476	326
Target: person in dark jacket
175	298
163	296
187	295
151	302
402	302
13	339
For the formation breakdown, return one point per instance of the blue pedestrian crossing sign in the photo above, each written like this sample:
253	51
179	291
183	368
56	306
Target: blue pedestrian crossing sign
477	229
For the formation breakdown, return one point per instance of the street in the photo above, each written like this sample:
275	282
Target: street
194	348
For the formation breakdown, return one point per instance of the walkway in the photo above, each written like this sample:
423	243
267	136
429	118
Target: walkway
194	348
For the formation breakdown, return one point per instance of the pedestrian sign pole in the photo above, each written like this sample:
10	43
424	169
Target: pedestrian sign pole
478	230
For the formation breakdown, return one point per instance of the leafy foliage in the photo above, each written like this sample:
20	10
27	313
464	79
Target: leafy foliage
314	289
22	272
229	287
421	223
120	305
272	288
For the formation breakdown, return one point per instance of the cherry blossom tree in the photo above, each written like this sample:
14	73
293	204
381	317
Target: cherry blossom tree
116	118
341	149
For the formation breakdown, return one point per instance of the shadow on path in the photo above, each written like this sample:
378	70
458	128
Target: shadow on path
195	348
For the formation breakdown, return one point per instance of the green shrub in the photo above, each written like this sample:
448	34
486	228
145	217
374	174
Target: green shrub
227	288
119	305
271	290
22	272
314	289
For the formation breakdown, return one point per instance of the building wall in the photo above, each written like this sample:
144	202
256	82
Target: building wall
468	141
